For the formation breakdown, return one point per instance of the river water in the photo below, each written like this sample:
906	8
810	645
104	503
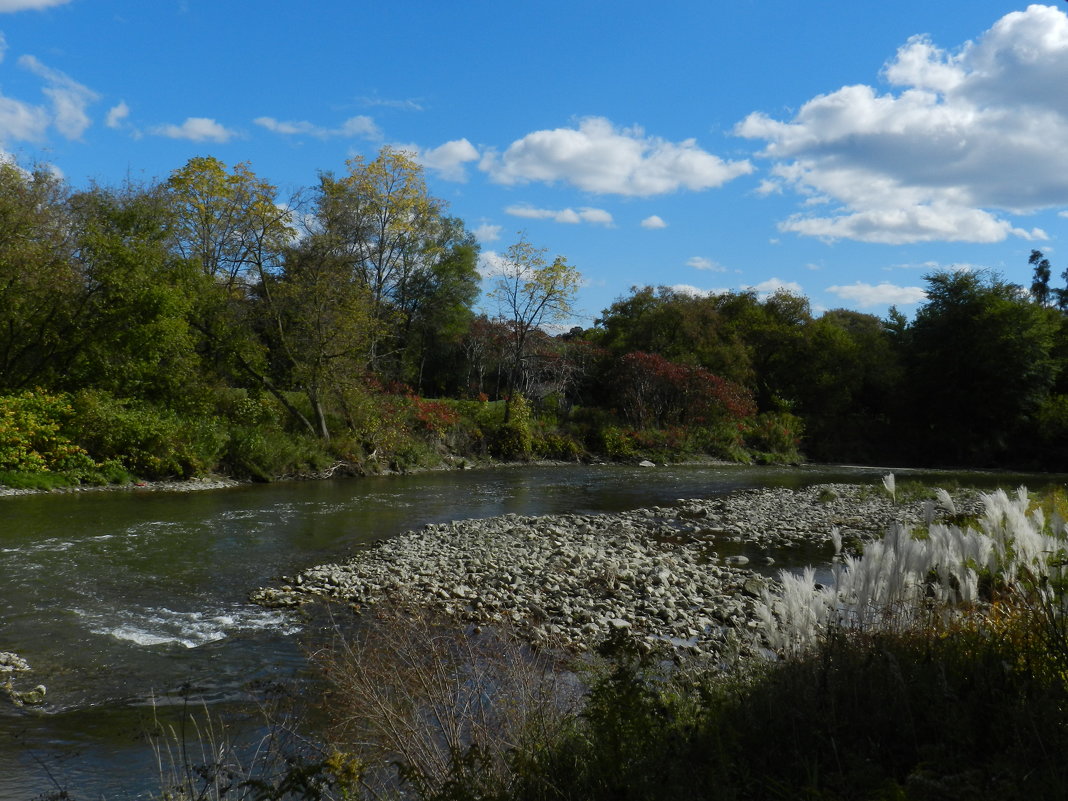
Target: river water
122	601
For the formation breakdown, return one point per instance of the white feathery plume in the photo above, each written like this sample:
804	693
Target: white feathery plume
891	486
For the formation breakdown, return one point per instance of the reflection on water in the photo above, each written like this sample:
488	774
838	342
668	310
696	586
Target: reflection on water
122	599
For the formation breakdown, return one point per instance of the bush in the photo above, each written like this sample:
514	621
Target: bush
149	441
263	455
775	436
554	445
36	451
615	442
514	439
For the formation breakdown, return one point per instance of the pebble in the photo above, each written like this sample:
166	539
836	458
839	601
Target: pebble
574	578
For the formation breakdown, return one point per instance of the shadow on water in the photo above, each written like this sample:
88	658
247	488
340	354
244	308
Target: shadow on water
119	598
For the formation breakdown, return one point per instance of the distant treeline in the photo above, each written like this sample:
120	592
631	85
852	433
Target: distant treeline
203	323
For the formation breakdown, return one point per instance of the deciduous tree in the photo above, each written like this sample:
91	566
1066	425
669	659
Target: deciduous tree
530	292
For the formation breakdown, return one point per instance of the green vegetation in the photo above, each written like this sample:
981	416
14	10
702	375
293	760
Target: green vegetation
947	679
204	324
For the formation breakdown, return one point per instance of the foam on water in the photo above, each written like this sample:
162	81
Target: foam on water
159	626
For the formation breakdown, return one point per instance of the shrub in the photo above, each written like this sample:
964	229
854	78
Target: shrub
514	439
263	455
775	435
615	442
147	440
555	445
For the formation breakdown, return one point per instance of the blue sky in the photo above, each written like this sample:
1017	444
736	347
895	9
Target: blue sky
839	149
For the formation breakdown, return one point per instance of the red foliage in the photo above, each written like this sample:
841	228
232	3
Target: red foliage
654	391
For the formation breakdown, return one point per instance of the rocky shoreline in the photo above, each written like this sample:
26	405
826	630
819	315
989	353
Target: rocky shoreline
187	485
572	579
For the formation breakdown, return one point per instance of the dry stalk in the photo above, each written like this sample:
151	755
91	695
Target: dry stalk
409	687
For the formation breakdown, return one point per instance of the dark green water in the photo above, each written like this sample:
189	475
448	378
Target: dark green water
124	599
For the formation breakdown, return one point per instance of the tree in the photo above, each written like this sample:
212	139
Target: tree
1040	282
529	293
321	326
381	221
681	327
41	292
435	308
230	225
979	361
138	298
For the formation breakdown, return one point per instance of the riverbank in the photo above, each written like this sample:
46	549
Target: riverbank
665	574
338	470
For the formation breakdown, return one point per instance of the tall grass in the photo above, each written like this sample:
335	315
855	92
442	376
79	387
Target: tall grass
1013	555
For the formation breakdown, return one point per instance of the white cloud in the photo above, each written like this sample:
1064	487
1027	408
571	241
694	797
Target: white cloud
697	292
21	121
884	294
196	129
488	233
403	105
962	142
572	216
701	263
361	126
3	46
69	98
491	264
448	159
653	222
7	6
598	157
773	285
117	115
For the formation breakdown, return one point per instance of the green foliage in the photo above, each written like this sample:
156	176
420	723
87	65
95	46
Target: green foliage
36	447
264	454
615	442
514	440
776	436
980	359
557	445
147	440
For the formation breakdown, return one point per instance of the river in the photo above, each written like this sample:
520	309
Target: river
125	600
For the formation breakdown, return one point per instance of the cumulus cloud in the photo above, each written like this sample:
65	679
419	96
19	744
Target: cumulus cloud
21	121
196	129
884	294
117	115
487	233
653	222
697	292
701	263
70	99
773	285
7	6
598	157
361	126
963	140
491	264
571	216
448	160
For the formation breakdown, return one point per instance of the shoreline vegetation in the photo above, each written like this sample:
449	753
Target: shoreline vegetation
654	654
201	325
620	656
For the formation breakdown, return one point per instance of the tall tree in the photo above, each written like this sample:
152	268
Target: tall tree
138	342
321	326
979	356
380	219
1040	281
41	295
530	292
